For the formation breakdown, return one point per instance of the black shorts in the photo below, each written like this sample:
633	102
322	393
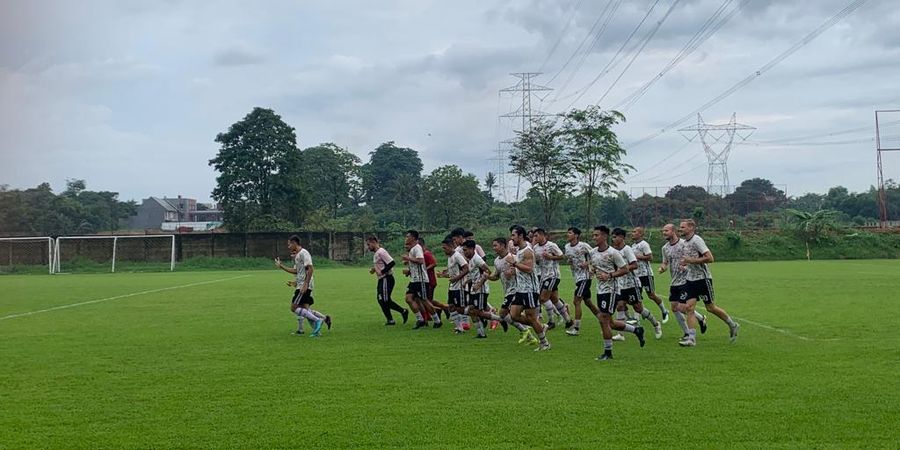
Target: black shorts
429	291
630	296
678	294
507	301
583	289
479	301
454	298
648	285
606	302
385	287
305	299
528	300
702	290
418	289
550	284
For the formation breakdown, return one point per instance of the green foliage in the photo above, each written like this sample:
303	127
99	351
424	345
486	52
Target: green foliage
450	198
330	175
391	181
540	157
38	211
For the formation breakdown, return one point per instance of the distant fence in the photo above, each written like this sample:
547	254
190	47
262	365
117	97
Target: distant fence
338	246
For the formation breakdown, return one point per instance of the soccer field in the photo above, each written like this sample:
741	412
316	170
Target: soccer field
206	359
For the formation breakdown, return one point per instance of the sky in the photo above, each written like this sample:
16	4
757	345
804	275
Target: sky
129	95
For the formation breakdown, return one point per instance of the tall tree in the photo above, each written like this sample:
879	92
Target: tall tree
490	181
390	180
450	198
329	174
539	157
594	151
755	195
259	170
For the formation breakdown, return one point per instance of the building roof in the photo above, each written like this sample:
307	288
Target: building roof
165	204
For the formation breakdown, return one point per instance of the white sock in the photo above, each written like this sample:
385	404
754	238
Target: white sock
561	309
577	323
679	316
419	317
646	314
548	305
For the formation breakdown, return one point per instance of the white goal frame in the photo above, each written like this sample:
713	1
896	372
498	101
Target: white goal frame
50	246
115	239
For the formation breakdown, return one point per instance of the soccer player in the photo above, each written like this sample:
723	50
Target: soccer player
478	274
673	251
699	285
382	267
630	285
526	301
456	272
608	266
548	254
577	253
469	235
417	290
644	255
430	264
303	299
506	273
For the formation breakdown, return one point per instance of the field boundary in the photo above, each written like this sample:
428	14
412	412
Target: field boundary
116	297
783	331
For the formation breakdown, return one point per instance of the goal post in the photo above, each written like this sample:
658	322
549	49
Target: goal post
26	254
143	253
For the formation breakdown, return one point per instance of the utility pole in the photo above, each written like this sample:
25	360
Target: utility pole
525	88
882	201
721	135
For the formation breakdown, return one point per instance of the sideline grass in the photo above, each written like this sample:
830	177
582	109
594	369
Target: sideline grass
214	366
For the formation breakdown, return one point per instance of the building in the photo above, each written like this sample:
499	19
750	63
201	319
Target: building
175	214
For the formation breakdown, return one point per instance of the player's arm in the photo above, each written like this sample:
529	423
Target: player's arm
463	272
309	273
527	263
485	275
644	257
281	266
418	260
706	258
664	264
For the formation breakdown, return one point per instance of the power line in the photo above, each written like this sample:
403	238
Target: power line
608	14
781	57
660	162
821	135
561	35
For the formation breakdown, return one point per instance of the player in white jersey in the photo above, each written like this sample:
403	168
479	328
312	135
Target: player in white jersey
577	253
478	309
456	272
470	236
303	288
526	301
673	251
417	290
644	255
699	285
547	255
630	286
607	265
506	274
382	267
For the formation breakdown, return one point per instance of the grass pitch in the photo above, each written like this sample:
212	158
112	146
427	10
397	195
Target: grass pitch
205	359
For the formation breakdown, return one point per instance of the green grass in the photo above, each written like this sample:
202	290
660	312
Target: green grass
213	365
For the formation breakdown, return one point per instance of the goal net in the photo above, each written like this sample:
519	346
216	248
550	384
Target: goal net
26	255
85	254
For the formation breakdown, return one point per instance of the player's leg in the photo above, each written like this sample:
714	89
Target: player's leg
645	313
389	287
381	294
711	306
689	306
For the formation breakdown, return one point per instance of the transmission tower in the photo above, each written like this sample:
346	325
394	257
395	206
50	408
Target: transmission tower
718	140
882	203
526	89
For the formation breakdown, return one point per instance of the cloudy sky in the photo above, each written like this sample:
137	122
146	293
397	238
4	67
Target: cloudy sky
129	95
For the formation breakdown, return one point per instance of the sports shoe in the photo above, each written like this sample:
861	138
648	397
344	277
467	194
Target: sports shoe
607	355
657	330
665	318
543	347
328	321
297	333
570	324
639	332
523	338
687	342
420	324
703	325
390	322
405	314
532	339
458	331
572	331
550	325
504	325
734	331
437	325
618	337
480	336
317	328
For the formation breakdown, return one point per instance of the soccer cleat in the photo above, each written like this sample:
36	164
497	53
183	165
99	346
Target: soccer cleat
550	325
447	313
570	324
572	331
420	324
533	340
457	331
297	333
328	321
657	330
405	314
480	336
438	324
639	332
665	318
543	347
318	327
687	342
504	325
703	325
618	337
524	337
607	355
390	322
734	331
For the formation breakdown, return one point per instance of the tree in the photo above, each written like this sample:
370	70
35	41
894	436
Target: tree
594	151
755	195
329	174
390	181
259	171
813	226
490	181
539	157
450	197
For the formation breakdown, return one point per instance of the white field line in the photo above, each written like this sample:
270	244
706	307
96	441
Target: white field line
133	294
782	331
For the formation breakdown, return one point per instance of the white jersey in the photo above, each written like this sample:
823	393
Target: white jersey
549	267
526	283
508	282
301	260
642	248
608	261
695	247
577	255
455	263
629	280
417	273
475	265
672	254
